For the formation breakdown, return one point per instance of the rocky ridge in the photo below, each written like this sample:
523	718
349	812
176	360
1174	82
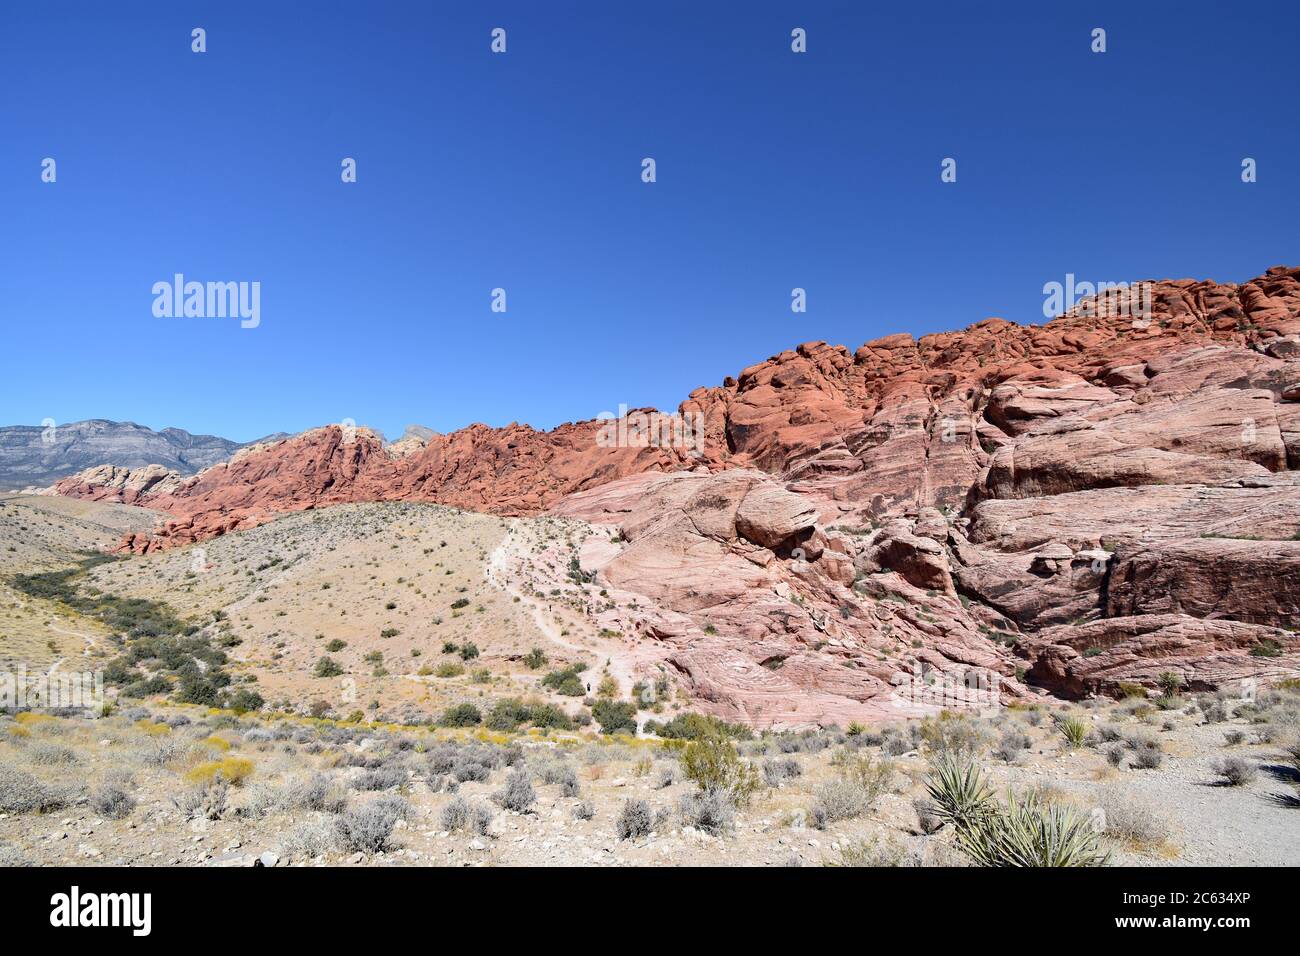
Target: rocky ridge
1078	507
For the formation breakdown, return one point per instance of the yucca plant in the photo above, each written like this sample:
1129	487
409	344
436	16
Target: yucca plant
1024	831
959	792
1027	832
1074	730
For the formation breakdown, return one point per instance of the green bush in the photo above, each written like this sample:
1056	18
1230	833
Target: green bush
614	716
716	767
461	715
566	682
327	667
693	726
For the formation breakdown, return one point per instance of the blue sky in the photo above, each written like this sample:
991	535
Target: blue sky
522	171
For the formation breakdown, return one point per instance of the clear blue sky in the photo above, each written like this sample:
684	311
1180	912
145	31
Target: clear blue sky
522	171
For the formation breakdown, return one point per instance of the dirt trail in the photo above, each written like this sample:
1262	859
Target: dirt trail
499	573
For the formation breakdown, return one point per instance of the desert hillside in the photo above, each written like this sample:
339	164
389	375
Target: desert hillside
1073	508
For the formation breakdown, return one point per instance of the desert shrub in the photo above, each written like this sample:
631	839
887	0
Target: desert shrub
895	743
316	792
951	732
545	715
310	839
336	645
1148	758
381	778
780	769
665	777
1073	729
1235	771
167	751
634	821
584	811
461	816
259	800
510	713
1023	831
710	811
517	794
461	715
566	681
860	782
51	755
1011	745
506	714
1132	820
206	801
1213	710
1169	682
449	669
327	667
926	816
368	828
535	659
468	652
441	758
693	726
1234	737
554	772
958	792
874	852
714	765
1115	755
475	763
20	792
112	801
614	716
1109	733
806	741
232	770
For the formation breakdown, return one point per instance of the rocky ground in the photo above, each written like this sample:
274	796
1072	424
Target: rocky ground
327	762
129	789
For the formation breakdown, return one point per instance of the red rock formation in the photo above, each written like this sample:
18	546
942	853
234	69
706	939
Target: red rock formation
1073	482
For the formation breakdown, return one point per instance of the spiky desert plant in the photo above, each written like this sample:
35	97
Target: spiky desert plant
958	791
1169	682
1025	831
1073	729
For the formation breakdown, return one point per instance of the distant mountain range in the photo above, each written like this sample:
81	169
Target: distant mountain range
36	455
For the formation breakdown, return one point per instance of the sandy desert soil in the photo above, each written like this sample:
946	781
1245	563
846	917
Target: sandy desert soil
368	767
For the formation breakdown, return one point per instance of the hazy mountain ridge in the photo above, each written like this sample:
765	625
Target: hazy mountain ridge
37	455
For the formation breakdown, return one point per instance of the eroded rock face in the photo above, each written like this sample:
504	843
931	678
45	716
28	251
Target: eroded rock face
126	485
1066	506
